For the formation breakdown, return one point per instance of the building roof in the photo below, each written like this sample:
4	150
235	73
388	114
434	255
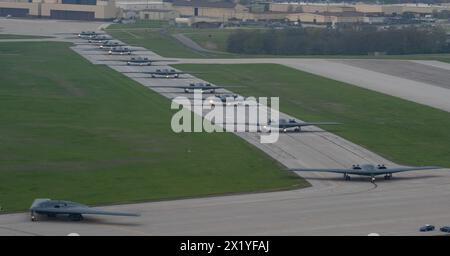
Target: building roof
203	3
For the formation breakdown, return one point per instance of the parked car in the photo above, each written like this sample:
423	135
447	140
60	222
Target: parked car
445	229
427	228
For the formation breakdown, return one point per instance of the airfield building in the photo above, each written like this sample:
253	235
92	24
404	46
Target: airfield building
60	9
204	8
206	11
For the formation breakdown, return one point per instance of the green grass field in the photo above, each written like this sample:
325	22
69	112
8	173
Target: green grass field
211	39
83	132
157	37
156	40
403	131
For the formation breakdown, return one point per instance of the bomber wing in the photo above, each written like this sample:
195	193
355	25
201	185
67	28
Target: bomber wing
304	124
347	171
188	87
156	73
404	169
318	123
137	60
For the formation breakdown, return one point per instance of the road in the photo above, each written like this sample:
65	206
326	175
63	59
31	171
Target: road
331	206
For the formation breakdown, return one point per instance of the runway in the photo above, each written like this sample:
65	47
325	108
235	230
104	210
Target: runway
331	206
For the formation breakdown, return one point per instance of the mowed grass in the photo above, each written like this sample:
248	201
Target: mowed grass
156	40
400	130
211	39
75	131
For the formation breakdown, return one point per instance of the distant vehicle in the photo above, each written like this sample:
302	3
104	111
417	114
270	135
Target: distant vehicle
445	229
427	228
284	125
369	170
120	50
8	16
52	208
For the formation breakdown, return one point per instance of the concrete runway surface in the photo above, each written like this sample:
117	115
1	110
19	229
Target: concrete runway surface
331	206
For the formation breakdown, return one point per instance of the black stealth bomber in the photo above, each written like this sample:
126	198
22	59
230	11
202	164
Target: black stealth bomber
226	100
283	125
193	87
121	50
161	73
369	170
138	61
99	39
108	45
88	34
75	211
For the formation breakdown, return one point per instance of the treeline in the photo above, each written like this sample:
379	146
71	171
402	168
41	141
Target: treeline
318	41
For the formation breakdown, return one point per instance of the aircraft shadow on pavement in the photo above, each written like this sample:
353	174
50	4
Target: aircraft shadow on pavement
90	220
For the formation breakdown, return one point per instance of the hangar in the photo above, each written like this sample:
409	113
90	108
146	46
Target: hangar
203	8
60	9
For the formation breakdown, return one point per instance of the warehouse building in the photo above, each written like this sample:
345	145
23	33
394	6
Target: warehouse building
204	8
158	14
19	8
60	9
326	17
